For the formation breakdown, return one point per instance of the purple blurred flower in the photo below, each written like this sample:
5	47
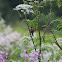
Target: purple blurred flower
26	56
35	54
25	51
31	59
2	53
1	58
40	56
6	55
4	60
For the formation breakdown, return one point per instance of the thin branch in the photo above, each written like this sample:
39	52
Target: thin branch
56	41
52	32
39	37
43	34
39	31
31	36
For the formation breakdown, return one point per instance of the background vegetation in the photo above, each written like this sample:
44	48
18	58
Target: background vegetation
14	33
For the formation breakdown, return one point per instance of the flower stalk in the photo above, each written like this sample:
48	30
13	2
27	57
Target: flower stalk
29	31
39	32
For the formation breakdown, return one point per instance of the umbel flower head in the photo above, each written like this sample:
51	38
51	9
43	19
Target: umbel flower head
24	7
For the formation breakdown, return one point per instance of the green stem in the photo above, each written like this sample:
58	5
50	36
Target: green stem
29	32
51	31
56	41
28	28
39	32
39	29
39	38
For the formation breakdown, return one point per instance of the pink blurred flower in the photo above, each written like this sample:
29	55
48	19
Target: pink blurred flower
35	54
6	55
4	60
40	56
25	51
2	53
31	59
26	56
1	58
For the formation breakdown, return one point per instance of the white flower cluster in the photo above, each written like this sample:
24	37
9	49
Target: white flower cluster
2	25
24	7
1	20
8	36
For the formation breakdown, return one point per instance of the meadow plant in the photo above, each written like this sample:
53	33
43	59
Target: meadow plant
32	58
40	56
3	56
11	39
